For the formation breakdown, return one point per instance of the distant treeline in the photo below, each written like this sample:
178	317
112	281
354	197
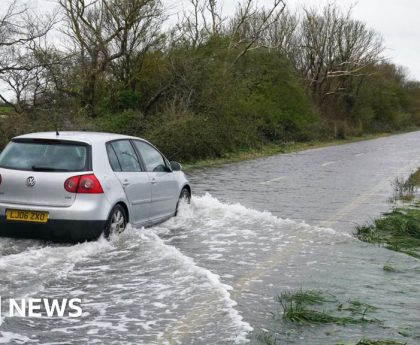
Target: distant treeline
207	84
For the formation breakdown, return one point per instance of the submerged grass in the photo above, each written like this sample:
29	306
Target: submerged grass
265	338
268	339
357	308
379	342
375	342
389	268
301	307
405	189
313	307
310	297
398	230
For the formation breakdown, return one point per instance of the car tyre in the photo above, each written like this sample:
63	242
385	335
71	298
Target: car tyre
184	196
116	223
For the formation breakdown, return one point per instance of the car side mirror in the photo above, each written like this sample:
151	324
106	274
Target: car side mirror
176	166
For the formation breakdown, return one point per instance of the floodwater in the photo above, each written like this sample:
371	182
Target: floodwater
211	275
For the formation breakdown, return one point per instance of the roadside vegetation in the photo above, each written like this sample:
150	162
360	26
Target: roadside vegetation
314	308
398	230
208	86
376	342
405	189
266	339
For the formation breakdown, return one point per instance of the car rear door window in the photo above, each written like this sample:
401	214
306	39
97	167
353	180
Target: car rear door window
113	159
152	158
126	156
45	155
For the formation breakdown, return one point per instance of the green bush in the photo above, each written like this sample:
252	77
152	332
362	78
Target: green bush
190	137
387	102
129	122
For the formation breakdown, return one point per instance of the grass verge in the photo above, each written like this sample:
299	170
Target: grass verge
376	342
5	109
273	149
398	230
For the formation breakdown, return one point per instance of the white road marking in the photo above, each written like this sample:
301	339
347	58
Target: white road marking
359	154
327	164
273	180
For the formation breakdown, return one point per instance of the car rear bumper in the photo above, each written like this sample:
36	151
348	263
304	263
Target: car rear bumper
55	230
86	207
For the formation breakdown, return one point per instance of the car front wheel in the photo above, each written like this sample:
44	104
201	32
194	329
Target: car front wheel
185	196
117	222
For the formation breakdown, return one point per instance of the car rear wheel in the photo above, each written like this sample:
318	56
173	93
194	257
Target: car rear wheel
117	222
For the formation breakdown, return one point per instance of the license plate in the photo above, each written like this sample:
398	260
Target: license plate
27	216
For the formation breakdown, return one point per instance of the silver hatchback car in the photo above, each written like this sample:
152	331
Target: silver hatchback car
75	186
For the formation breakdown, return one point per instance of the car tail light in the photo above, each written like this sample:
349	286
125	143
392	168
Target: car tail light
72	184
89	184
85	184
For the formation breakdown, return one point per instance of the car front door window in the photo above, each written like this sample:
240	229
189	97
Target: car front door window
153	160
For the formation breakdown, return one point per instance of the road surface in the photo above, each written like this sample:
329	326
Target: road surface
211	275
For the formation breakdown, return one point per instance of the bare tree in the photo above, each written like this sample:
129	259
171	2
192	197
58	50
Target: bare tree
188	30
333	50
251	24
244	31
143	36
106	32
29	85
281	34
17	82
20	30
196	26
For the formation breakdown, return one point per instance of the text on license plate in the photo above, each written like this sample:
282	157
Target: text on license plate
27	216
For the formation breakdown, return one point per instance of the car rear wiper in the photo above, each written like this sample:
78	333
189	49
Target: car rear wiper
39	168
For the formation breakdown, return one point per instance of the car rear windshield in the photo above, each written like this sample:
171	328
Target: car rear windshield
45	155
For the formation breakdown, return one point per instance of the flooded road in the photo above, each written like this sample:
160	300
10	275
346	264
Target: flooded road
211	275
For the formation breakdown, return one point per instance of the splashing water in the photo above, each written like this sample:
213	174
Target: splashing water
177	283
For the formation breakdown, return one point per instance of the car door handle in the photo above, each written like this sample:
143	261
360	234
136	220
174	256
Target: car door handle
153	181
126	183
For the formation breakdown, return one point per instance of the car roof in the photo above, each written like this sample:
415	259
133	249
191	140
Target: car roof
85	137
